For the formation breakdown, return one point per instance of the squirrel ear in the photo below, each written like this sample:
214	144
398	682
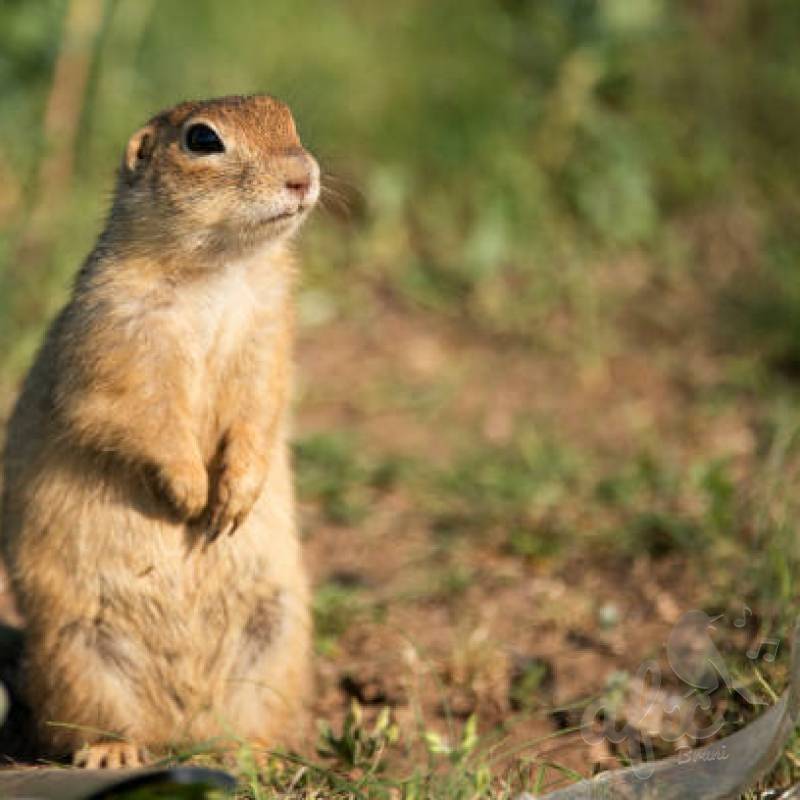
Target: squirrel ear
139	150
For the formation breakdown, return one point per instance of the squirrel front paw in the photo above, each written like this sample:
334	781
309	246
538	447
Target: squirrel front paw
185	484
233	498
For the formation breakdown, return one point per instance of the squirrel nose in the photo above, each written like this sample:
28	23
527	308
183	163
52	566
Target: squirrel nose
299	185
297	177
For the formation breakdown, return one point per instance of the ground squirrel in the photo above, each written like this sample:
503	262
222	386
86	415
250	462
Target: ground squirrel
147	513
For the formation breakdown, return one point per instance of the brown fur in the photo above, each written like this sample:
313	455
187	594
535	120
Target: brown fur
153	424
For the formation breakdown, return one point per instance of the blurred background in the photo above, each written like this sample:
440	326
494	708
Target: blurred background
549	352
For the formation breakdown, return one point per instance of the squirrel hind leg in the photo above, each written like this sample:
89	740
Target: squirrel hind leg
110	755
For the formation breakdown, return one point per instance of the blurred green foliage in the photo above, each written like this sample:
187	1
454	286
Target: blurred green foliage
497	147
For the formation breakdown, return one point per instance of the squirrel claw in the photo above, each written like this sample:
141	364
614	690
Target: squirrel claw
110	755
231	503
220	526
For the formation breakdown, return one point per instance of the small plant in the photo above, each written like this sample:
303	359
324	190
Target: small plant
356	747
456	753
465	779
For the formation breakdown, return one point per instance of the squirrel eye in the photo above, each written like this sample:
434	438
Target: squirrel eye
203	140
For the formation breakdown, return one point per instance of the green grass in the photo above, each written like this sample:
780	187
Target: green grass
336	607
334	473
507	493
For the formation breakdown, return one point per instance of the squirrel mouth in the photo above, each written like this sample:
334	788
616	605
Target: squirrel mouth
280	217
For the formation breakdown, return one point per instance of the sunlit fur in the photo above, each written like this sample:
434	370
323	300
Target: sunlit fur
155	415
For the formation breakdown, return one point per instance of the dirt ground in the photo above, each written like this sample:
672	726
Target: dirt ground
439	649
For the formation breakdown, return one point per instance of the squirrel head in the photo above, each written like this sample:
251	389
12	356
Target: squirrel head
214	178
